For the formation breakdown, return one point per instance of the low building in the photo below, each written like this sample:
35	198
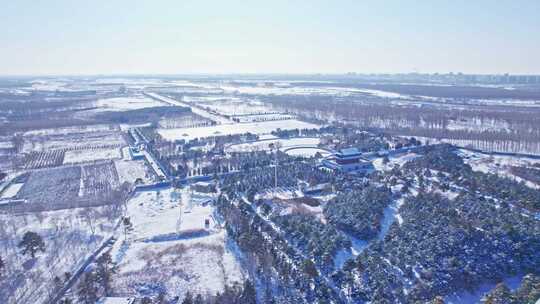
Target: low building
204	187
348	160
135	153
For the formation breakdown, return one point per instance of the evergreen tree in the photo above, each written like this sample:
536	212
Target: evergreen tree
249	296
2	266
31	243
128	226
66	301
198	299
146	300
188	299
309	269
88	289
57	283
161	298
104	271
500	295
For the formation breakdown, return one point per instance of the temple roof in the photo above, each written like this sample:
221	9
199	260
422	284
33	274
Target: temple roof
349	152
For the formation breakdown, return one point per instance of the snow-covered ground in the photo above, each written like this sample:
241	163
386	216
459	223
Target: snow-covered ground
72	141
466	297
229	105
6	144
478	125
130	170
283	193
81	156
307	152
299	90
263	145
69	236
127	103
196	110
71	130
263	117
230	129
170	247
11	190
497	164
393	160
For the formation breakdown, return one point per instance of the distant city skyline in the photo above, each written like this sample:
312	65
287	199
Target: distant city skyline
61	37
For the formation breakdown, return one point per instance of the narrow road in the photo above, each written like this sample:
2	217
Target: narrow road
219	119
107	243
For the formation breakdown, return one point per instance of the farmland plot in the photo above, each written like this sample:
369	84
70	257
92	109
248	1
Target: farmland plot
126	103
98	180
229	105
45	159
49	187
184	121
93	154
73	141
71	130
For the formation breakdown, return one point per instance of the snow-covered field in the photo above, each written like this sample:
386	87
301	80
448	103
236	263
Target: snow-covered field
171	249
298	90
307	152
127	103
220	130
71	130
229	105
6	145
81	156
72	141
130	170
264	144
196	110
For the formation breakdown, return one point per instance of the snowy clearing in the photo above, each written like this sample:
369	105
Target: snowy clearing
241	128
171	248
71	130
307	152
127	103
262	145
130	170
81	156
194	110
498	164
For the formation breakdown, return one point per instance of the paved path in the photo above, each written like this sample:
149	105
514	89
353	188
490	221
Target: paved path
219	119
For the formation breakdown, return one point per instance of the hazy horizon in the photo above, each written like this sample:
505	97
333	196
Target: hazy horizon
172	38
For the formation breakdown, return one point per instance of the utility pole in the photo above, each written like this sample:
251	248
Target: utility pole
275	169
273	149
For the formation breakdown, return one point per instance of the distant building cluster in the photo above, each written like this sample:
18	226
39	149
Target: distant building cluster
454	78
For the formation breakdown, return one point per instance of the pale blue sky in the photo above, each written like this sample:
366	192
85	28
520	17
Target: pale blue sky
173	37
